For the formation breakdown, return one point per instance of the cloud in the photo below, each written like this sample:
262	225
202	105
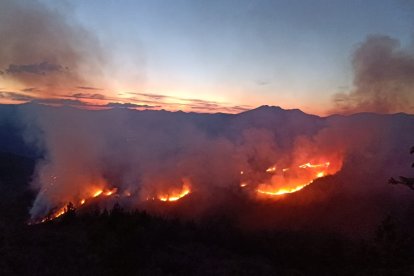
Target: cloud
151	96
89	100
88	88
30	89
130	105
46	48
95	96
186	104
15	96
42	68
60	102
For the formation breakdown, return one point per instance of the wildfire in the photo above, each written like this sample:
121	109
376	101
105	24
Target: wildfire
309	165
294	179
174	196
55	215
280	181
283	190
110	192
97	193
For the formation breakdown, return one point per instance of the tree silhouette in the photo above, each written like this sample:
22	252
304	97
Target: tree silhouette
407	181
70	212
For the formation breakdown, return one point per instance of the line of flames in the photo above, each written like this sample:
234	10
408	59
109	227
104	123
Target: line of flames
185	190
295	188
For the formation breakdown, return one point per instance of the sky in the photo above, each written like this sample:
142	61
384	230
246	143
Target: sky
207	56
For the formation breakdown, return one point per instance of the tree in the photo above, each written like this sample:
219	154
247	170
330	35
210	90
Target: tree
70	212
408	181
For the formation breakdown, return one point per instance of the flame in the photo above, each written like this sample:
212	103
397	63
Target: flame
310	165
280	182
110	192
294	179
175	196
284	191
97	193
61	211
320	174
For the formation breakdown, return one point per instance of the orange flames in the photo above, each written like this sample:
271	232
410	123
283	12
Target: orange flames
174	196
281	180
93	194
291	180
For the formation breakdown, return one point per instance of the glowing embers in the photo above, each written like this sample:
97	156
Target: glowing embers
293	179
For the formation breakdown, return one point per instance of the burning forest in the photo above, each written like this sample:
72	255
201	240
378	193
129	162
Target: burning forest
206	137
177	164
236	178
90	160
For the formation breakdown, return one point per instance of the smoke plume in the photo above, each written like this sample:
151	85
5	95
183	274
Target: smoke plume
143	157
383	78
45	48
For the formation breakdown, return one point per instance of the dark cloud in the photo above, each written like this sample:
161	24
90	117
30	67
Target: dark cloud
45	47
60	102
174	103
151	96
383	78
88	88
130	105
220	109
15	96
95	96
195	105
42	68
30	89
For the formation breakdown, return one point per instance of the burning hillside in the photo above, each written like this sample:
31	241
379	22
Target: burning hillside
291	180
281	182
195	163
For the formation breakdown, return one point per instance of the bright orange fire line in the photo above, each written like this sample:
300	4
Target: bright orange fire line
174	198
284	191
97	193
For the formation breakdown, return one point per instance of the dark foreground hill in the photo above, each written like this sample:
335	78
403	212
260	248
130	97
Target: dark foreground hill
119	242
351	223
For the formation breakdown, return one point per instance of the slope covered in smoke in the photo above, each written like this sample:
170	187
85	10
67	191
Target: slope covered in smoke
143	154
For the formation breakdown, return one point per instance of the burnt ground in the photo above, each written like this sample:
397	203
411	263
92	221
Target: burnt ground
117	242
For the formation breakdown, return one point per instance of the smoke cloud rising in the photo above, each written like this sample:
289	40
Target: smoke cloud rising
44	48
144	154
383	78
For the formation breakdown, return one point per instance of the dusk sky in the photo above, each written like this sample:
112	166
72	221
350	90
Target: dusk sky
232	54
